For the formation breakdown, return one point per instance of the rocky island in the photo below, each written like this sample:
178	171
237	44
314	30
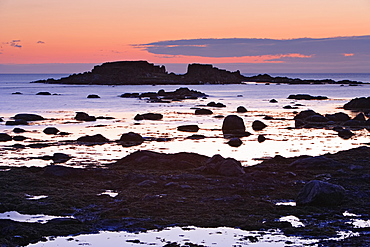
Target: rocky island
145	73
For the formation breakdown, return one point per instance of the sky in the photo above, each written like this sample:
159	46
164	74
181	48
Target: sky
253	36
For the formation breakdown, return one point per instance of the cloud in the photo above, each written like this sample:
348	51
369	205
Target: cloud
14	43
303	48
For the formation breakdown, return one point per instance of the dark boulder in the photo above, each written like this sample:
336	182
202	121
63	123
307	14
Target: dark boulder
1	120
305	114
354	123
4	137
258	125
318	193
60	157
82	116
17	122
261	138
235	142
43	93
233	124
98	138
224	167
273	101
19	130
241	109
203	112
148	116
317	118
28	117
131	139
213	104
360	117
358	104
51	131
17	93
345	133
188	128
338	117
19	138
93	96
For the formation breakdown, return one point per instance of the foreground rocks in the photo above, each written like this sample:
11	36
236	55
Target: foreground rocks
156	190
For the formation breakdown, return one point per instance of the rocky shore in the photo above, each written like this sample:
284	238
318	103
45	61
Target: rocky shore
157	190
144	73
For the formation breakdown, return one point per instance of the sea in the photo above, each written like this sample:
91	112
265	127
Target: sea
18	95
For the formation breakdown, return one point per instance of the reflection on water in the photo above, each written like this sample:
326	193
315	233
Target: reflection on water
29	218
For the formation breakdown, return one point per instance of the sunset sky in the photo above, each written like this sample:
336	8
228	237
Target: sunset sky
50	36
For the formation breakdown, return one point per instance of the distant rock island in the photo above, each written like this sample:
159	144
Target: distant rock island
143	73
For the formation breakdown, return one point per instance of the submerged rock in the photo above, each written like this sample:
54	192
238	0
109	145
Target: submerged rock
318	193
43	93
17	122
93	96
214	104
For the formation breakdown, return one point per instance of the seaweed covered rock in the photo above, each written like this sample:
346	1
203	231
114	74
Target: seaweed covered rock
83	116
319	193
224	167
131	139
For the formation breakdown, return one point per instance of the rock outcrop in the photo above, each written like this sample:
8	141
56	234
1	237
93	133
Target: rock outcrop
142	72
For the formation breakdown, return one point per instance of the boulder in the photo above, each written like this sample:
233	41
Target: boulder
317	118
19	130
203	112
60	157
4	137
224	167
131	139
19	138
273	101
360	117
305	114
319	193
1	120
345	133
358	104
261	138
213	104
233	124
149	116
188	128
82	116
17	122
28	117
258	125
235	142
93	96
241	109
51	131
98	138
338	117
